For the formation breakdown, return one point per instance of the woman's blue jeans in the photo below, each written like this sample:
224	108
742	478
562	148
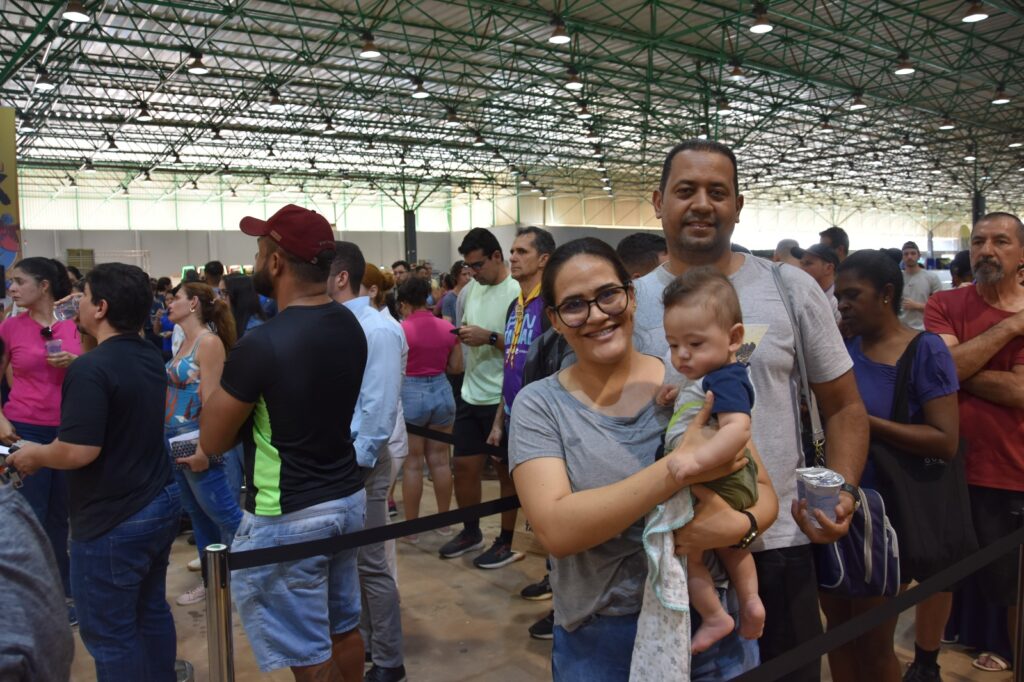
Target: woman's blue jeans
119	581
211	500
47	493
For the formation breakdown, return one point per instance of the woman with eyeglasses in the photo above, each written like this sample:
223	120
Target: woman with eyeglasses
39	351
582	449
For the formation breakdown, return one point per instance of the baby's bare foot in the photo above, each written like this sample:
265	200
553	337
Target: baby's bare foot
752	618
711	630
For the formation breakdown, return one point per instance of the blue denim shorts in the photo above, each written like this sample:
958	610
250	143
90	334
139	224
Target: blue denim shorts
428	401
290	610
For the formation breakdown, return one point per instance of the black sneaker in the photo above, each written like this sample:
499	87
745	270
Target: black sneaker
544	628
500	554
379	674
466	541
921	672
538	591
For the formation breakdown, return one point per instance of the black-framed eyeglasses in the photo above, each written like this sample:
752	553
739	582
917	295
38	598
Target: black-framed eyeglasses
575	312
46	333
478	265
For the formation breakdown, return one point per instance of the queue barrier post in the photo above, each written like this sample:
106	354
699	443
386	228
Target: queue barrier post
218	615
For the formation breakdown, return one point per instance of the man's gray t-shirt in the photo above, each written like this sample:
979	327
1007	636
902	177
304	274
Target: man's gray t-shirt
598	450
770	349
37	645
919	287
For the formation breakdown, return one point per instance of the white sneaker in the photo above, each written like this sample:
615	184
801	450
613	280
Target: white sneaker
193	596
195	565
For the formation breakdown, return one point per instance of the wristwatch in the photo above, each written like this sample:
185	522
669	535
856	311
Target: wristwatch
751	534
854	492
493	340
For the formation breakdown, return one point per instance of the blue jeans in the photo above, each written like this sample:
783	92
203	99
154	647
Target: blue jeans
601	650
211	500
290	609
47	494
119	584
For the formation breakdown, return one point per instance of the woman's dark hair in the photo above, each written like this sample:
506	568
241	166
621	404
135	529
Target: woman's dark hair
213	310
245	302
456	270
586	246
48	270
414	292
190	276
126	290
446	281
72	270
878	268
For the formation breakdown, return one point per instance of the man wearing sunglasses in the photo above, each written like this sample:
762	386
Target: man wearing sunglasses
484	303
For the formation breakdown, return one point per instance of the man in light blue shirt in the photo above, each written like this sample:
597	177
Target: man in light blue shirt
372	424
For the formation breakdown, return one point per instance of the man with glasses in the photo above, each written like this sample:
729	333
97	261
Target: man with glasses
484	303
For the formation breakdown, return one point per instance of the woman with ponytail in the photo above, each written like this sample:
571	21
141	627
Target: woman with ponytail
209	489
38	353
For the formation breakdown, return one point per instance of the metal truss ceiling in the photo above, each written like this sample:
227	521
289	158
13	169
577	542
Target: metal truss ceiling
289	97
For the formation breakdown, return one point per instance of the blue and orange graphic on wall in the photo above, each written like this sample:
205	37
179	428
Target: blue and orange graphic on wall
10	224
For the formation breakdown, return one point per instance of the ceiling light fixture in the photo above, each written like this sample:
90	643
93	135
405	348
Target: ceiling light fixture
369	49
601	166
196	67
275	99
906	143
903	67
583	114
947	124
761	24
177	157
598	152
975	13
1014	145
737	75
88	167
144	116
75	13
524	181
543	195
972	154
826	126
451	119
420	92
858	103
1001	96
329	128
111	144
216	134
479	141
147	178
723	107
559	36
27	126
573	81
43	82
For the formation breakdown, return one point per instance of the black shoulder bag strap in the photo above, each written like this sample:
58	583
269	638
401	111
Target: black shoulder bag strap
901	397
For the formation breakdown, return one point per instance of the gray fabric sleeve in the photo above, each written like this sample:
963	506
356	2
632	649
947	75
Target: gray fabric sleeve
534	431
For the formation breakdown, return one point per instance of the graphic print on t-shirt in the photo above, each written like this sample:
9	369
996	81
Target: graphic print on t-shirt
752	335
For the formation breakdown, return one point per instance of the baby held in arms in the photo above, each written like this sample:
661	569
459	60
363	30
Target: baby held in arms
704	329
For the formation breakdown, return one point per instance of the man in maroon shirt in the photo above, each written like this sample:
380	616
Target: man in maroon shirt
983	325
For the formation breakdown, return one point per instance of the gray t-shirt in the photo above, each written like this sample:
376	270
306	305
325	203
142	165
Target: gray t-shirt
36	645
770	349
918	286
598	450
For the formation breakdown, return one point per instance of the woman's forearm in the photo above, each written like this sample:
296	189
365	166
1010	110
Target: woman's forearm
922	440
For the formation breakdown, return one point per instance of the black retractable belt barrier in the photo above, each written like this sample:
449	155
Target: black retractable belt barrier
813	650
485	449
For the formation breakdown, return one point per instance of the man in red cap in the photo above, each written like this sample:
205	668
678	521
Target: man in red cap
289	389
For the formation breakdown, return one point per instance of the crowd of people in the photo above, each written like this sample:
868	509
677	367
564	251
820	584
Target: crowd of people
630	396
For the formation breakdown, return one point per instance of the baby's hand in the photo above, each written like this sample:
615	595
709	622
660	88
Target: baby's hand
667	395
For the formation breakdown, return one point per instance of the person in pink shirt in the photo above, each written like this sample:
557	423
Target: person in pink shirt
37	354
426	394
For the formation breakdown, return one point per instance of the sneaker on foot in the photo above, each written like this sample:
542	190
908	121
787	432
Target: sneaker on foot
538	591
72	615
410	539
195	565
466	541
392	509
444	531
500	554
183	671
193	596
544	628
379	674
921	672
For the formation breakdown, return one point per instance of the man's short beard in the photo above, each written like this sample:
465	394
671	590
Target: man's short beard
989	272
262	283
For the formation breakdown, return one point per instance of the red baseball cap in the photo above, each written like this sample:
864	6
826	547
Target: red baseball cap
303	233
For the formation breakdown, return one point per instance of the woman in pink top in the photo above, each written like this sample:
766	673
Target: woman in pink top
37	354
426	394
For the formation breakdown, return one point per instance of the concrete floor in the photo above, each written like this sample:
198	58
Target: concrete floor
461	624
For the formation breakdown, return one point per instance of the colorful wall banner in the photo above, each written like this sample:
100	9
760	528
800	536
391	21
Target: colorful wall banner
10	223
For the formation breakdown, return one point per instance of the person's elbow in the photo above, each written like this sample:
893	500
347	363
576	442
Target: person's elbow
553	543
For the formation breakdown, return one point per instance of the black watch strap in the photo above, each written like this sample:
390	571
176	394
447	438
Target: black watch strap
751	534
493	340
852	489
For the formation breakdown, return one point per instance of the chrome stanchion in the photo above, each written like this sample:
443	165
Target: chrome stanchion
218	615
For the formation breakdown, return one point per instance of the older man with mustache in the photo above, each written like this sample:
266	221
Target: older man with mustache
983	325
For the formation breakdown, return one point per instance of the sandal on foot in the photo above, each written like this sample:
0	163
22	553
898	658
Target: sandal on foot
990	662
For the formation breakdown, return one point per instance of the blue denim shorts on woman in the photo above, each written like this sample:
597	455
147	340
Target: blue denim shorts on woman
290	610
428	401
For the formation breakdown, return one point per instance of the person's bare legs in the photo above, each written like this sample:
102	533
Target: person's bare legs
508	488
325	672
869	657
930	620
348	654
739	565
412	477
715	622
440	470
